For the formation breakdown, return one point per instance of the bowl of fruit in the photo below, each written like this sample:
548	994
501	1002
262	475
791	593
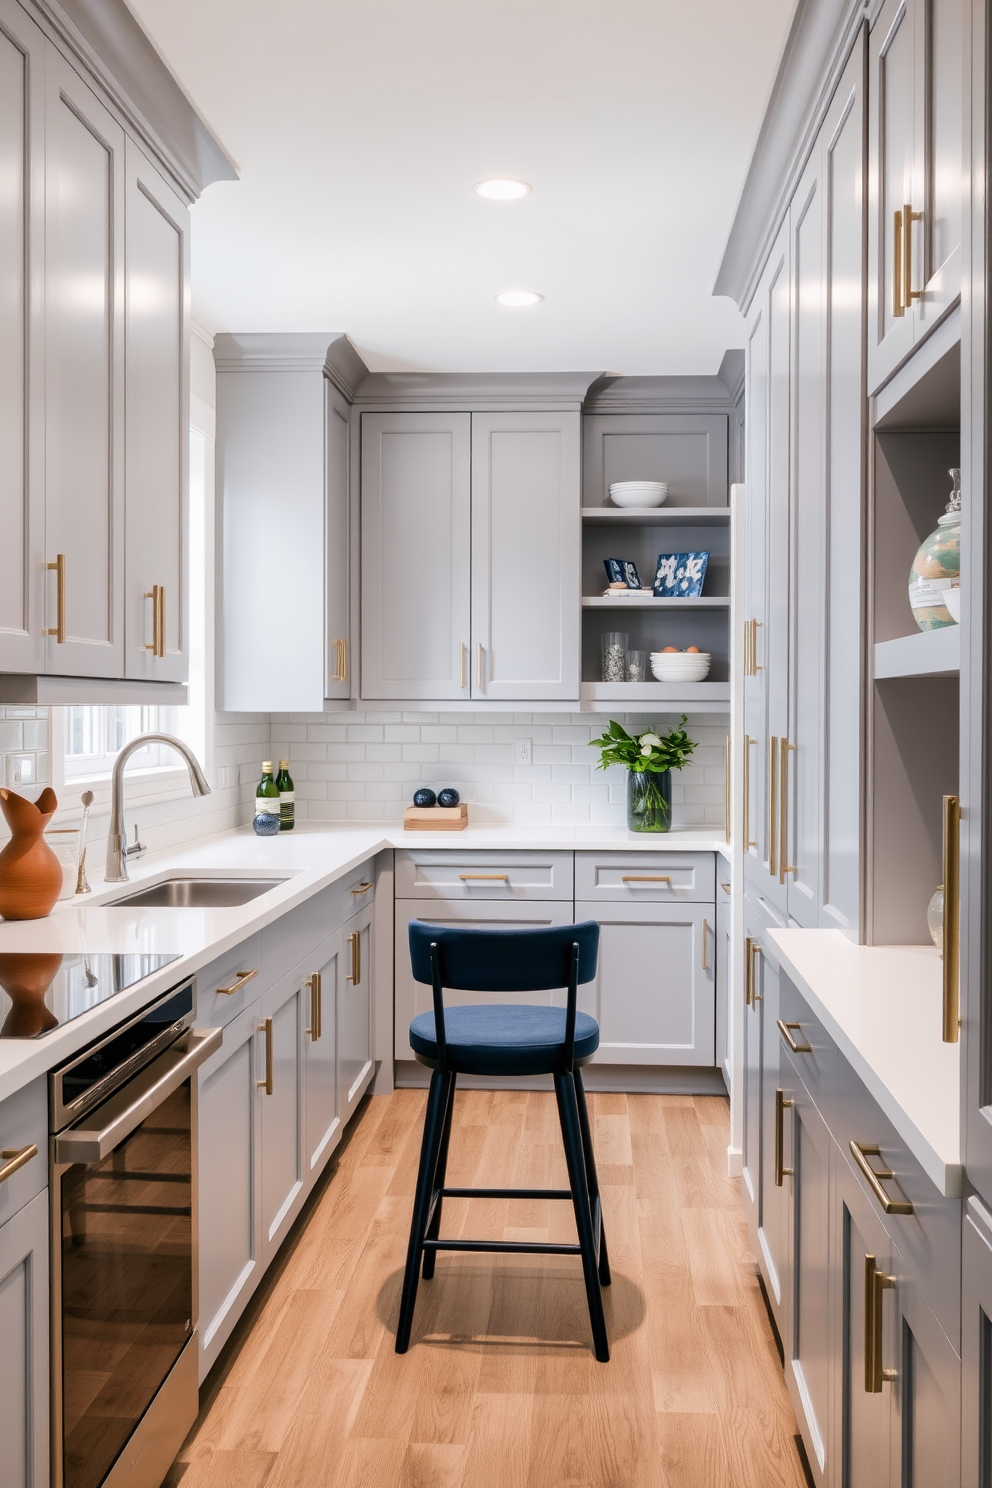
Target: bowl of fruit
673	665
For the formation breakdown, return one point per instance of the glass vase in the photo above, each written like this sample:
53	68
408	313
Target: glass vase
649	800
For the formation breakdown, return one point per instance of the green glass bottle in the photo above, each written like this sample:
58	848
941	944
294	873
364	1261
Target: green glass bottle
267	793
287	798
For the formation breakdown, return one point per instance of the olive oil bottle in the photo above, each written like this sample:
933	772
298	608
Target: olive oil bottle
287	798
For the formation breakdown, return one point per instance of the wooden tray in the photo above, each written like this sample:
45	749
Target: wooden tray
436	818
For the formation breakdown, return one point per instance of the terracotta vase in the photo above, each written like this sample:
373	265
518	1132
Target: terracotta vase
26	977
30	873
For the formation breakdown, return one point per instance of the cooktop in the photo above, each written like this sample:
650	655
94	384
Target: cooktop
39	991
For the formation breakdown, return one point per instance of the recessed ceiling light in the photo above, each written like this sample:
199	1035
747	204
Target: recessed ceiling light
518	298
501	189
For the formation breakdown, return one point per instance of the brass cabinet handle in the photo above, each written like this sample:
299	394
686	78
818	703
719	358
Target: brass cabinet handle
646	878
909	294
478	664
316	1009
783	775
751	667
495	877
341	662
157	596
952	918
462	652
785	1029
355	941
727	770
14	1158
751	951
704	965
781	1171
240	978
773	762
363	887
861	1152
58	629
749	841
266	1084
876	1283
725	886
897	264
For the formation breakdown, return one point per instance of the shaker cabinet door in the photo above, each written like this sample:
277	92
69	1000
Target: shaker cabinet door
810	1357
355	1013
526	537
24	1328
891	154
321	991
281	1077
864	1417
156	311
337	545
22	392
84	380
416	555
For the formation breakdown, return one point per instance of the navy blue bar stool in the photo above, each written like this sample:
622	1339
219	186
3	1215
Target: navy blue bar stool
506	1039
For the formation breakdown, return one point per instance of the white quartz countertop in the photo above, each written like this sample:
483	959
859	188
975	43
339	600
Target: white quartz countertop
882	1007
309	859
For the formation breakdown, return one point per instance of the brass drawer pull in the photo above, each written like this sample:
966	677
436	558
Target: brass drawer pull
362	888
785	1029
58	629
876	1282
240	978
14	1158
705	932
316	1009
341	659
646	878
157	596
876	1177
266	1084
489	877
751	951
355	941
952	915
781	1171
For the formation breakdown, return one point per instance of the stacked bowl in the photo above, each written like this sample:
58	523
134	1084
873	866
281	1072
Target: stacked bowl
638	493
680	666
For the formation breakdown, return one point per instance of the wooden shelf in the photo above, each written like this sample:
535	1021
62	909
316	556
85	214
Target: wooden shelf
675	697
707	602
928	653
656	516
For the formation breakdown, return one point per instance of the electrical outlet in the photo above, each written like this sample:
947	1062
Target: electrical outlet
20	769
523	751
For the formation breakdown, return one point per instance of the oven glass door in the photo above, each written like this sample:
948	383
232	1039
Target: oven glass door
126	1285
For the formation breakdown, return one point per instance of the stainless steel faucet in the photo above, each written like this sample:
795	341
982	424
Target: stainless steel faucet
118	851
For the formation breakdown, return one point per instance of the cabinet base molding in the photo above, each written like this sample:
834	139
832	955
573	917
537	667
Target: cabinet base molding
30	690
624	1079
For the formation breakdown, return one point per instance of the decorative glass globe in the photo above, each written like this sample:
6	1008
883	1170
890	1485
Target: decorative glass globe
935	918
937	565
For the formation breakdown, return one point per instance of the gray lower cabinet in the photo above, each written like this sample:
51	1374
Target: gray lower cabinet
281	1075
321	993
976	1345
724	960
653	995
24	1328
354	1004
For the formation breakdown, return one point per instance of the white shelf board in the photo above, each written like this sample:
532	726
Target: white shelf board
656	516
928	653
707	602
675	697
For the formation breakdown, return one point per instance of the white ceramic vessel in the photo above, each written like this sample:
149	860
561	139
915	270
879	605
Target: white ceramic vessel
680	666
642	494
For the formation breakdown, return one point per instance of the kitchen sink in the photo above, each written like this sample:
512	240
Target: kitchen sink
196	893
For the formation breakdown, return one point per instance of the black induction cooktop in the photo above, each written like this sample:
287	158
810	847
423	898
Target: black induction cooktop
41	991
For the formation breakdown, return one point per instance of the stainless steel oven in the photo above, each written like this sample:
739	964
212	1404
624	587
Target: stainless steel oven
124	1304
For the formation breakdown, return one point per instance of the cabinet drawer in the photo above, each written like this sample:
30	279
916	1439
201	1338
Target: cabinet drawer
289	940
810	1048
24	1123
484	875
636	878
929	1239
225	988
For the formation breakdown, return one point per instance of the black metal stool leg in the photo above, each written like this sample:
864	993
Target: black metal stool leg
580	1095
568	1114
434	1228
437	1101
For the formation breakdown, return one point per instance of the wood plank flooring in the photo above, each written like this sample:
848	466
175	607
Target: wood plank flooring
500	1388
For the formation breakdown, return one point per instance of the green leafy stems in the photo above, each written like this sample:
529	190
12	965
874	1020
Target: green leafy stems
648	752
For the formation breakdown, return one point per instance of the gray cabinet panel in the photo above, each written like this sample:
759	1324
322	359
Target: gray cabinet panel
355	1012
22	238
639	878
284	1172
229	1216
891	152
755	605
84	374
809	1365
689	451
778	576
322	1046
502	877
157	436
526	538
337	543
653	995
976	1344
926	1439
24	1309
724	961
416	555
863	1425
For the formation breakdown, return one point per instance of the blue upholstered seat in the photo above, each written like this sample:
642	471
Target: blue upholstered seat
504	1038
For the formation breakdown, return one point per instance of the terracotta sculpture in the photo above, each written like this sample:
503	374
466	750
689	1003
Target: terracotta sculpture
30	873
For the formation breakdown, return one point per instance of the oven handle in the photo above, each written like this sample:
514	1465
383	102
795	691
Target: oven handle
127	1109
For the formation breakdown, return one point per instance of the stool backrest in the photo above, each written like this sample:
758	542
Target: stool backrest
476	960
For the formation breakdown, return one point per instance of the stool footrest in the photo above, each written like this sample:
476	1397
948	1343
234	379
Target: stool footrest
528	1247
504	1193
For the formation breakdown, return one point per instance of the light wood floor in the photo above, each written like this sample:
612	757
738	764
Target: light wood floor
500	1388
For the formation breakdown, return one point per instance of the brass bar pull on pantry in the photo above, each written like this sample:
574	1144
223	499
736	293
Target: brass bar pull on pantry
785	748
341	660
876	1284
705	933
58	629
240	978
15	1158
462	652
751	952
478	664
909	294
897	264
749	841
355	975
782	1102
773	762
785	1029
952	917
861	1152
266	1084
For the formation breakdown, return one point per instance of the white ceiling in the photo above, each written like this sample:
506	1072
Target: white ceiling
359	130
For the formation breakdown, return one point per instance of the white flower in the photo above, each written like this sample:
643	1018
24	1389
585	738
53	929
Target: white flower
646	749
649	741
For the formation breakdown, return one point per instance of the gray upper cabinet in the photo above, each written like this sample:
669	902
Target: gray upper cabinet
156	308
22	239
337	546
688	450
416	555
84	379
526	540
915	175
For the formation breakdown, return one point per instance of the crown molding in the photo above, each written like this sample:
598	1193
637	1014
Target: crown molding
104	40
819	43
475	391
328	352
731	373
660	395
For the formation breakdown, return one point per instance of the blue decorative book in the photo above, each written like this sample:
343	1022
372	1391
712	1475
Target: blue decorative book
680	575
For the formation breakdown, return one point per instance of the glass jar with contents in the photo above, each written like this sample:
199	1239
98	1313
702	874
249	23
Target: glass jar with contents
636	666
614	656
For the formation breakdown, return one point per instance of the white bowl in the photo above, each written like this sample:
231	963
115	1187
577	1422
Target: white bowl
639	493
676	666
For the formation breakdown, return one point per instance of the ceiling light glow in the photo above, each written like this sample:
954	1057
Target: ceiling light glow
501	189
517	299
